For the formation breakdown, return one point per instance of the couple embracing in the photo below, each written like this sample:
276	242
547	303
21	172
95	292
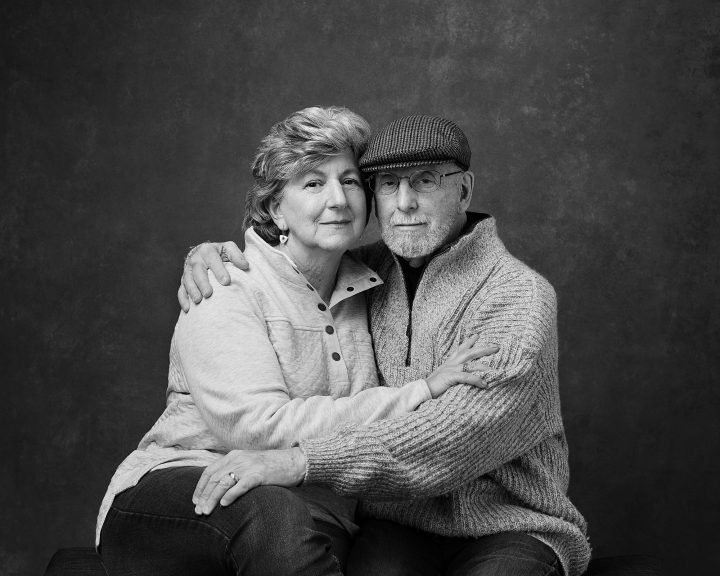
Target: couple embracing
392	409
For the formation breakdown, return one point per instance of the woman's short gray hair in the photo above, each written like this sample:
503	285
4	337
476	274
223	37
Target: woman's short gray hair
301	142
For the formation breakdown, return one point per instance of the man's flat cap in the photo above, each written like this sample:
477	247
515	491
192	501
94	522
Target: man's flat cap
414	141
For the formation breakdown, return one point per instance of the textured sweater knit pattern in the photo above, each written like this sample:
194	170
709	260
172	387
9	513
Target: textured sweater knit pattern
474	461
263	364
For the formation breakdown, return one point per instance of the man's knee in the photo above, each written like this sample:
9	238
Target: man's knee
502	554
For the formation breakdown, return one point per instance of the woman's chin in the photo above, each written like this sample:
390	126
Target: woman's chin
339	242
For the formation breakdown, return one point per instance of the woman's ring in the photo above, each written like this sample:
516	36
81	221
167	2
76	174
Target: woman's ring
224	255
234	478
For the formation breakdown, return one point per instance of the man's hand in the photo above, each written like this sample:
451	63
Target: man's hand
241	470
207	256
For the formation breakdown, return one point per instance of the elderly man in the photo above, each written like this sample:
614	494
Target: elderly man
474	482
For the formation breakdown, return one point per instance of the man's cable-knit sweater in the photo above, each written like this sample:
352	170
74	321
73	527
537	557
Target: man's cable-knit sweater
475	461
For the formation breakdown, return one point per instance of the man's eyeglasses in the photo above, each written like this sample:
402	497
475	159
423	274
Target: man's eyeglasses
422	181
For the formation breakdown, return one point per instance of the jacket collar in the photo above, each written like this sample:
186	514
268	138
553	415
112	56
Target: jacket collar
353	277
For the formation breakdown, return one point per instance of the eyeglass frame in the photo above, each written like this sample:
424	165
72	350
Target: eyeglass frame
370	179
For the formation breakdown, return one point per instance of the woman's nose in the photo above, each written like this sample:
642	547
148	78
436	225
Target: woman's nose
336	198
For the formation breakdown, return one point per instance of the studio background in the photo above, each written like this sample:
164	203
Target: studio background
128	129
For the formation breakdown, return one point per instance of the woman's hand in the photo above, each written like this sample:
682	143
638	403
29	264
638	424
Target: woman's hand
241	470
452	371
207	256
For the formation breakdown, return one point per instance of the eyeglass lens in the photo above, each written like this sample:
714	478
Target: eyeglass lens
423	181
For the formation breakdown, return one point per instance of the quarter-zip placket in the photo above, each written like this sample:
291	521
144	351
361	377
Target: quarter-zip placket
411	302
408	333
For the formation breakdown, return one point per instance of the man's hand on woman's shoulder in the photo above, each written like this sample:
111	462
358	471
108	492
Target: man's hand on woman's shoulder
195	284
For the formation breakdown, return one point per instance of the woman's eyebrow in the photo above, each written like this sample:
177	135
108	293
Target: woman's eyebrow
317	172
355	171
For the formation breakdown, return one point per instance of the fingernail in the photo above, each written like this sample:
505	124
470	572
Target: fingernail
224	279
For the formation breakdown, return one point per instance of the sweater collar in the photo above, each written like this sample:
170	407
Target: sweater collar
352	278
479	236
471	255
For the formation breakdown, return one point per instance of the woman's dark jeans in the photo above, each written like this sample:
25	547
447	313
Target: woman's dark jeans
152	529
390	549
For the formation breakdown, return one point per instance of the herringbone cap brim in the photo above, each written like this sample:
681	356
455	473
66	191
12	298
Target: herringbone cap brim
415	141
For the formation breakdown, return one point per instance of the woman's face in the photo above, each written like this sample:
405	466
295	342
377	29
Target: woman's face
324	209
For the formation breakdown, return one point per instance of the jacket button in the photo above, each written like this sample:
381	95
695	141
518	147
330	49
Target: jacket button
329	329
350	288
322	307
335	356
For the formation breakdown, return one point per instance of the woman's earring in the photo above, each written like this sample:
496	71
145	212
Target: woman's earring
283	239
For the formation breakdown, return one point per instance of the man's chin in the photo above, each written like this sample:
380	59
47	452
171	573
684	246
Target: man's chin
407	247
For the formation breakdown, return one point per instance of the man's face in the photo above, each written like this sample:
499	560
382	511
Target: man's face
415	224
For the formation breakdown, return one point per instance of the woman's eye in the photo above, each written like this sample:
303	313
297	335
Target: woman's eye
351	182
313	184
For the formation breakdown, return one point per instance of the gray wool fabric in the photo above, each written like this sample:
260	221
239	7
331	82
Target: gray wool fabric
473	462
414	141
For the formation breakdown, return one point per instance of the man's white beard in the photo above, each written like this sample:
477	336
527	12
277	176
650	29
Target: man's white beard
414	244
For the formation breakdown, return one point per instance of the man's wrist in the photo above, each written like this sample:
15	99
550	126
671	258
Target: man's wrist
191	252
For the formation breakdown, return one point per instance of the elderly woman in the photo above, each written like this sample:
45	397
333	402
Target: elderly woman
280	354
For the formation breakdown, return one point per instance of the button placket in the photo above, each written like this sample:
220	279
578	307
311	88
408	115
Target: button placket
334	344
338	364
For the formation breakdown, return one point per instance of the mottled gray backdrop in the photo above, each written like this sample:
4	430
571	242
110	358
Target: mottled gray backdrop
127	131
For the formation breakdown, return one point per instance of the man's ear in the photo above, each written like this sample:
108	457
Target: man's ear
276	213
466	189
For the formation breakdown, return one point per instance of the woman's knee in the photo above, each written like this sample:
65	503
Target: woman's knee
268	513
276	534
